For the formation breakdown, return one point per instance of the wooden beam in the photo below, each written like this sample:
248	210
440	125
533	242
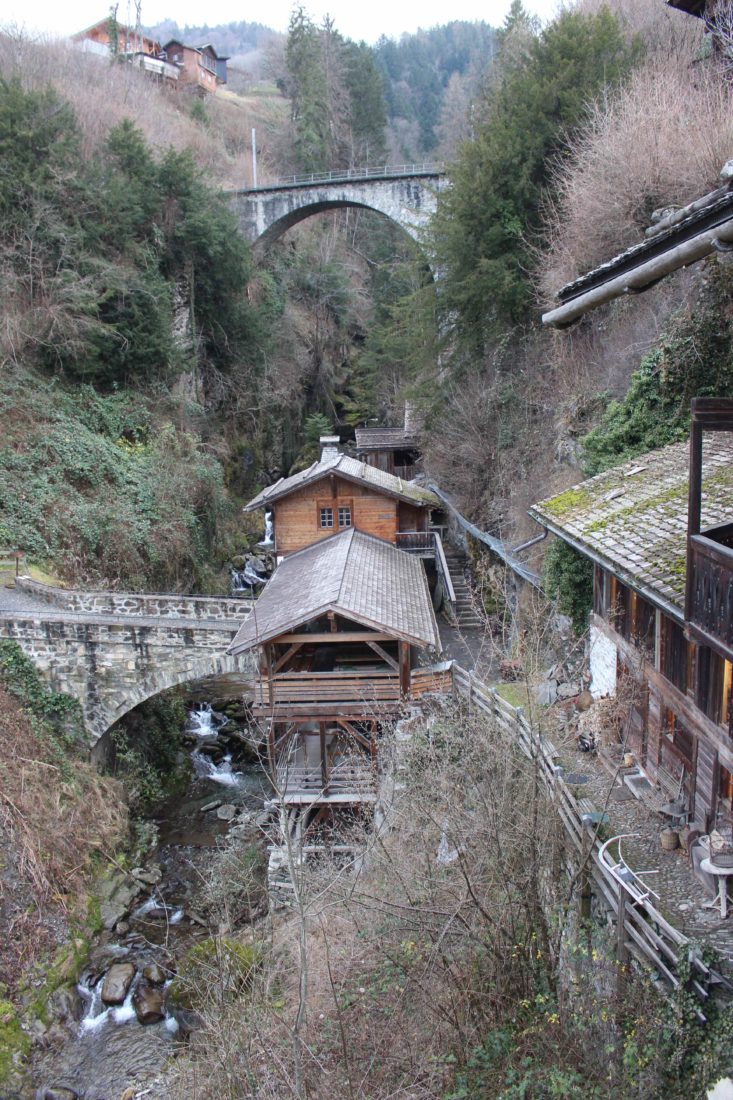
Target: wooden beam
324	763
332	620
352	732
287	655
341	636
384	655
404	651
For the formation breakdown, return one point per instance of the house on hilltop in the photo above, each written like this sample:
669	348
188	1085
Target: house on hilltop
111	36
659	531
199	67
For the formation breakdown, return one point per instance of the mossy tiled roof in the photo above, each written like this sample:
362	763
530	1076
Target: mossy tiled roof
633	518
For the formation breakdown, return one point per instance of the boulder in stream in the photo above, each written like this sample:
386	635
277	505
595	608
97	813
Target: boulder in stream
148	1001
154	974
117	982
57	1093
227	812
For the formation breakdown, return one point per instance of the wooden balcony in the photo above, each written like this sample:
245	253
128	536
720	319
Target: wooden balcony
351	779
417	542
320	693
709	611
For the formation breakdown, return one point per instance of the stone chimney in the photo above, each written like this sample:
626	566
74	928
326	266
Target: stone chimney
329	447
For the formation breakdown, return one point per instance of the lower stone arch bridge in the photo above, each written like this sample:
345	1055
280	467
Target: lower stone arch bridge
111	651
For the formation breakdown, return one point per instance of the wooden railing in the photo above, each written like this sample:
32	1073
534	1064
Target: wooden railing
328	687
710	595
429	542
407	473
416	541
642	931
353	775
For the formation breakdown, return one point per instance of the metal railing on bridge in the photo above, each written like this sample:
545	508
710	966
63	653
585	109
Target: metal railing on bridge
345	175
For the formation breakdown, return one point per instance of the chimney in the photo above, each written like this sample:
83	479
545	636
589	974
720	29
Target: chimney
329	447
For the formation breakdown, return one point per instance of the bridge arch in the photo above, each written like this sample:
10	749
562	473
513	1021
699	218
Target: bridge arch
204	668
408	200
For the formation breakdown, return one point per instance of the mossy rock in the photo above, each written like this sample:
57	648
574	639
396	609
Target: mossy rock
216	969
14	1043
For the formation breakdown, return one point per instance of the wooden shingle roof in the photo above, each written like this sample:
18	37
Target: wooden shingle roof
633	519
375	439
352	470
353	574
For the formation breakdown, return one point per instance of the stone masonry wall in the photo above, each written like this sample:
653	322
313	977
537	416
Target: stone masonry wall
111	664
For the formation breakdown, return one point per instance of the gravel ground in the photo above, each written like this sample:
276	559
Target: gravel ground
681	894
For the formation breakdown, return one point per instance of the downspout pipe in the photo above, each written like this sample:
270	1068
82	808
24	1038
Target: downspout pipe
719	238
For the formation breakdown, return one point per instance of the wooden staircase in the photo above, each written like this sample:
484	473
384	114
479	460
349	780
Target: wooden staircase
466	615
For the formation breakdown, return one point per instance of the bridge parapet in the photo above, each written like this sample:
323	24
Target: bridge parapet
150	605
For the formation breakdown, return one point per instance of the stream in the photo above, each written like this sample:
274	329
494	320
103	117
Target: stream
117	1027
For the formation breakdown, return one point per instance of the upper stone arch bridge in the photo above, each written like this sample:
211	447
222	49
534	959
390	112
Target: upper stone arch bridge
407	195
111	650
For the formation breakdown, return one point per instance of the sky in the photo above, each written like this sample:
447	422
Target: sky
366	20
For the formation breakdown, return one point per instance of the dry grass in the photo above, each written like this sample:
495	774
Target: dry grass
103	94
54	817
660	141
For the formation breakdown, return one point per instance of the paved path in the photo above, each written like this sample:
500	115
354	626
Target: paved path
14	599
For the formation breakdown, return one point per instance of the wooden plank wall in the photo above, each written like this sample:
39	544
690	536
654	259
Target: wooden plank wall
297	519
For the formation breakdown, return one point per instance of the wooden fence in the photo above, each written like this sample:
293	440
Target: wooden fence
642	932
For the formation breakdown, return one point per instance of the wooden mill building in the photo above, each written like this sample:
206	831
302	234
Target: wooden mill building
339	629
659	531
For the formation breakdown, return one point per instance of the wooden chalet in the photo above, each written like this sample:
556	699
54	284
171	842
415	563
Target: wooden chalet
394	450
659	530
129	39
338	628
199	66
338	493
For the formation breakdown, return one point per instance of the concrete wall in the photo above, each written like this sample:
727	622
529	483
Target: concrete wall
111	663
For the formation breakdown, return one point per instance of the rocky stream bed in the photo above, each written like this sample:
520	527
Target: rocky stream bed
103	1038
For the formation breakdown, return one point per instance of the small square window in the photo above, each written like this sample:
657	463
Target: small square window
326	517
344	517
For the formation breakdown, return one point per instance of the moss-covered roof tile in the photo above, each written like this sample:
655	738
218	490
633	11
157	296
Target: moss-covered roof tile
634	517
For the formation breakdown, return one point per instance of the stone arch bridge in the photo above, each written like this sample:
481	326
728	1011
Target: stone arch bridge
112	651
407	195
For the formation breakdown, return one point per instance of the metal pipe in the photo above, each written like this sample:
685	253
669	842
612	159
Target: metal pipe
643	276
530	542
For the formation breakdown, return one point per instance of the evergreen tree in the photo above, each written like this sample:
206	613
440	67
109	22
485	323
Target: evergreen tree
485	222
308	90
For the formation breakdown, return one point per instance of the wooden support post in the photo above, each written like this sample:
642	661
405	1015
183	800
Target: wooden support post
332	621
622	951
271	749
324	765
404	651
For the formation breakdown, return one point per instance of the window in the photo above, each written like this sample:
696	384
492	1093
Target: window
326	517
344	516
714	680
675	654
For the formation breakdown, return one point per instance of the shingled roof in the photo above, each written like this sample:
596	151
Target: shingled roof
352	470
375	439
353	574
633	519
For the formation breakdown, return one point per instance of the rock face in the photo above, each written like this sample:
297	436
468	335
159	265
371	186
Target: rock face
117	983
148	1001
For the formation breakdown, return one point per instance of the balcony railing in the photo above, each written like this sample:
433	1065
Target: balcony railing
298	688
352	776
407	473
710	594
416	541
429	544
